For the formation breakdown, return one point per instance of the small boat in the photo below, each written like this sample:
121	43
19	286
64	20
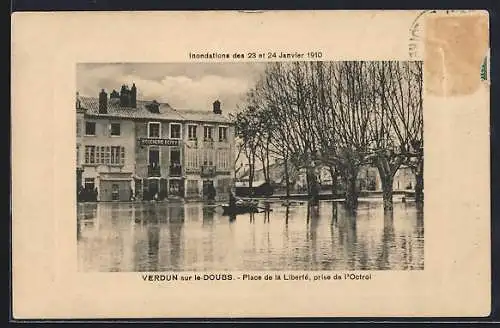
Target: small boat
240	209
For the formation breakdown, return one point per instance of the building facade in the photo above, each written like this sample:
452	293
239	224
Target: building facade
79	134
368	178
135	149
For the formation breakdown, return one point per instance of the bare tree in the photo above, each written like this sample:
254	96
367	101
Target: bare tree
396	124
288	91
342	115
246	125
353	111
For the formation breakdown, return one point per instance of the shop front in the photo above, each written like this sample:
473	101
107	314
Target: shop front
115	187
176	187
152	188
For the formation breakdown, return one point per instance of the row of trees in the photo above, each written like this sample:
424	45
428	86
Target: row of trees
342	115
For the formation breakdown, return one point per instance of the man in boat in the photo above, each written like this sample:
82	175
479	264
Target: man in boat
211	193
232	198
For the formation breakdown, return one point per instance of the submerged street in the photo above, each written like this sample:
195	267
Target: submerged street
178	236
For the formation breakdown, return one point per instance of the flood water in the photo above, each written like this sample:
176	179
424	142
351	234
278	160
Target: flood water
176	236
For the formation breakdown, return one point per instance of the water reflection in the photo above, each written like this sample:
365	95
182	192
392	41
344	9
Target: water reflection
387	240
298	236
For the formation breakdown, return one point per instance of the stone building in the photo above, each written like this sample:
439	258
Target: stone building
137	149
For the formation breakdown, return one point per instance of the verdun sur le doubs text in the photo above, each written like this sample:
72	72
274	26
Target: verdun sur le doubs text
255	277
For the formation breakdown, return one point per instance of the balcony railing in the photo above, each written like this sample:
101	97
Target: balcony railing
208	143
154	171
175	170
207	170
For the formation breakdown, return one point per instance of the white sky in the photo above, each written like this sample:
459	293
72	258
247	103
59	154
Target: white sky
183	85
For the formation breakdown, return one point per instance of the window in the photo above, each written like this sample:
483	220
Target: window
106	153
117	155
208	133
208	157
222	133
175	131
90	128
192	158
109	155
97	156
103	155
115	129
89	154
154	130
223	159
192	132
89	183
78	128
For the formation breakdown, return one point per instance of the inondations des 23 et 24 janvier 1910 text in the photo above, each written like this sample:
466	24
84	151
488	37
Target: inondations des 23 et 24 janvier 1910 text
257	55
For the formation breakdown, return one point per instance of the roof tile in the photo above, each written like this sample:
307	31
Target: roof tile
166	112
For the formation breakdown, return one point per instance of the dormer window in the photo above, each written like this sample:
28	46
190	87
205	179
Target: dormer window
153	107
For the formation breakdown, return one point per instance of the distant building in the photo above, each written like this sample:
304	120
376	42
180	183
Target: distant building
368	178
404	179
137	149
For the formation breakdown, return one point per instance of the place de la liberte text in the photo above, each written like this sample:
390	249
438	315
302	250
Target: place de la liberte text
257	277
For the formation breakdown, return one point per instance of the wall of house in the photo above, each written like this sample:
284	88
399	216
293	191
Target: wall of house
404	179
200	152
103	138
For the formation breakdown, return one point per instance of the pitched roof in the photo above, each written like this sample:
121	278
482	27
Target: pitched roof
202	116
166	112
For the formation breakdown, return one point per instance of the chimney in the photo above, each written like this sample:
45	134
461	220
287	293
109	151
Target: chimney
78	101
217	109
114	98
103	102
124	96
114	95
133	96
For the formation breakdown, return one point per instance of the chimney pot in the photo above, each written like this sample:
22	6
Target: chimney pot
103	102
133	96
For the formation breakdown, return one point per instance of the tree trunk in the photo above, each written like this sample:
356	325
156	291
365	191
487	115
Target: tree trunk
333	175
251	171
312	186
419	185
267	162
264	170
287	179
387	181
351	189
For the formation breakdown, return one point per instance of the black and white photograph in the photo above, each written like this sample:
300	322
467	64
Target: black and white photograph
303	165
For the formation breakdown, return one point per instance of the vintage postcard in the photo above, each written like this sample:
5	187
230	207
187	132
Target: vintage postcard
235	164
